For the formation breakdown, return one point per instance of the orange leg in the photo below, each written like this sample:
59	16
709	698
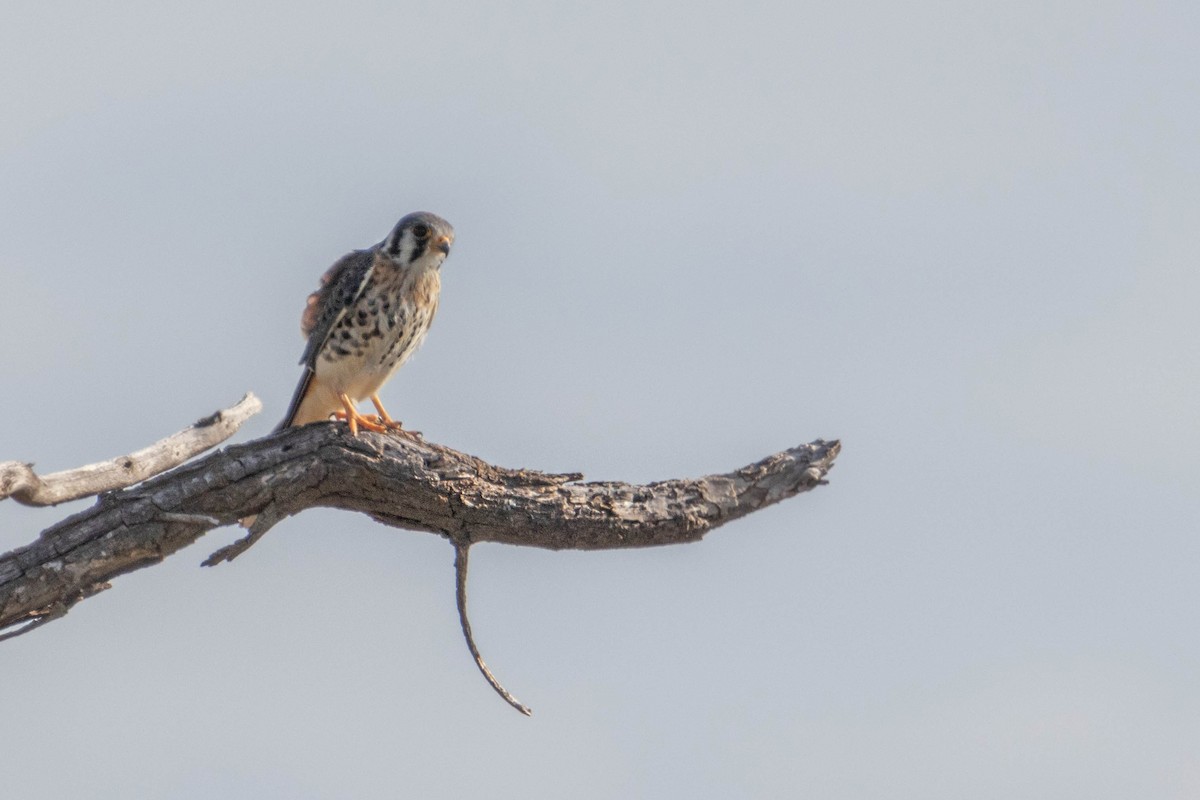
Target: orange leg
355	419
386	419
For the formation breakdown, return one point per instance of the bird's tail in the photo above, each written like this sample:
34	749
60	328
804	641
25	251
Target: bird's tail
297	399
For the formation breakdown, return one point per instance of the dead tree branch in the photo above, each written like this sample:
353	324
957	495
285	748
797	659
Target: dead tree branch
19	481
397	480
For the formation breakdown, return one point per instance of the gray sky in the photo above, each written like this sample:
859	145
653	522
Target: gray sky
960	237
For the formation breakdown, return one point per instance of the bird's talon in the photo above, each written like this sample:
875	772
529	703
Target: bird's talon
356	420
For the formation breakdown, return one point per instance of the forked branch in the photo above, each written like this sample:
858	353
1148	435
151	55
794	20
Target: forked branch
397	480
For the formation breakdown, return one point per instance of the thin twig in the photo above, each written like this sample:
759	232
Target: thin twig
259	524
461	550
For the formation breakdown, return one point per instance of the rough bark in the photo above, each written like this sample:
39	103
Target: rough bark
399	481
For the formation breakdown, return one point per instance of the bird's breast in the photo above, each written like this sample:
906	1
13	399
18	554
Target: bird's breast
382	329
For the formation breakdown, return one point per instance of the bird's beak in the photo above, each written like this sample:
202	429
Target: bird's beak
442	245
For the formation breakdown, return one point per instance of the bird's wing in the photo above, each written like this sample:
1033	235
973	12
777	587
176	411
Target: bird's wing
341	286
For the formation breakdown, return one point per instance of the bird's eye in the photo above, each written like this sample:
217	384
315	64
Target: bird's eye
421	231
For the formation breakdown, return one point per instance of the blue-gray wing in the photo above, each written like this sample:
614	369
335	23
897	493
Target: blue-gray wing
341	287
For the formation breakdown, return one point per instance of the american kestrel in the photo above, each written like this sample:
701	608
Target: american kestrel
371	313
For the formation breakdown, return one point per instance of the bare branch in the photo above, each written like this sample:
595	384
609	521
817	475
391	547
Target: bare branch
397	480
258	524
21	483
462	551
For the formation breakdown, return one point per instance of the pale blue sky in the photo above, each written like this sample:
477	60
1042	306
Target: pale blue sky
960	237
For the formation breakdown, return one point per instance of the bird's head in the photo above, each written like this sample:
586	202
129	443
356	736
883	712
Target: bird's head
420	237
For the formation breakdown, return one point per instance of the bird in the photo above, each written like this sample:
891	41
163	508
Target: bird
372	311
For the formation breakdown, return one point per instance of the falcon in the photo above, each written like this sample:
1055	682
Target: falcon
371	313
